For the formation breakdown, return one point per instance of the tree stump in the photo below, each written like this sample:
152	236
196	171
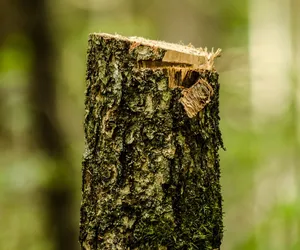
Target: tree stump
151	175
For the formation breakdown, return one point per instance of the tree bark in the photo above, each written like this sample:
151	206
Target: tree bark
151	166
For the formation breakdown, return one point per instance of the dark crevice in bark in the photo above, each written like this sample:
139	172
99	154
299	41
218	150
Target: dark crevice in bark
159	64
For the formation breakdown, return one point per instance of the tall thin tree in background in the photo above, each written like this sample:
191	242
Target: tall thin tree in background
271	61
295	22
46	132
6	15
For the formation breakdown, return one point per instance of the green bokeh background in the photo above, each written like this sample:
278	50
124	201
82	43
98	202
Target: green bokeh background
260	169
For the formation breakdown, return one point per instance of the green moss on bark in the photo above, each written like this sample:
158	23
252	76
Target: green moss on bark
150	173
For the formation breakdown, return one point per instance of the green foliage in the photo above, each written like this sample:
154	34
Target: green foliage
274	145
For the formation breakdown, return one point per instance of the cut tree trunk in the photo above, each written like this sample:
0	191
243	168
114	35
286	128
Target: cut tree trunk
151	176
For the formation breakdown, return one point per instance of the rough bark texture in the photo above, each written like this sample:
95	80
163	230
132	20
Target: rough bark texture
150	172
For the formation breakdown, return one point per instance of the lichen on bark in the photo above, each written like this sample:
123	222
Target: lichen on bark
151	175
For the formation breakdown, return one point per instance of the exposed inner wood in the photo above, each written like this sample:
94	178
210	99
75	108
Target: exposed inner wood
162	64
180	57
173	71
159	44
203	61
196	97
179	61
175	53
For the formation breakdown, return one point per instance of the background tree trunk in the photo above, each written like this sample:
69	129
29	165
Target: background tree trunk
47	134
151	168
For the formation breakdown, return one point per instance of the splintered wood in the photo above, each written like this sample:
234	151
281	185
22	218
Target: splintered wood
196	97
180	62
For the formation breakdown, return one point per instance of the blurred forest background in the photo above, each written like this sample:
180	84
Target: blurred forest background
42	81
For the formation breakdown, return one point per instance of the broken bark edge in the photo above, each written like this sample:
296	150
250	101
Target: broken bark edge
176	59
200	58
